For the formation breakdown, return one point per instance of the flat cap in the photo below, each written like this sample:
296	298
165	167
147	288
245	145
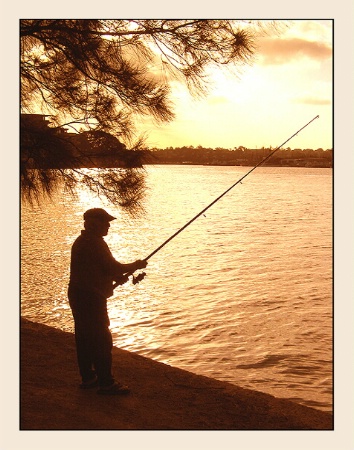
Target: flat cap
98	213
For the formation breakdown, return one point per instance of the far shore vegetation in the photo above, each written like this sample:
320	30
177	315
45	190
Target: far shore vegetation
99	149
242	156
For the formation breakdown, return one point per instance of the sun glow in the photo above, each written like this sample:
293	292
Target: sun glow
289	83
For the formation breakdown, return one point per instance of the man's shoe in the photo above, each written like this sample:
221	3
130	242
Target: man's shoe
89	384
114	389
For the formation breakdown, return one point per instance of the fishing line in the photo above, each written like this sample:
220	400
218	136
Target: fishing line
228	190
141	276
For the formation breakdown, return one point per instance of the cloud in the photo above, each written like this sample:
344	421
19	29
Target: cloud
313	101
281	51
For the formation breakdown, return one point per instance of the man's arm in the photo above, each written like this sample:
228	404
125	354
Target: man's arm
132	267
114	267
128	269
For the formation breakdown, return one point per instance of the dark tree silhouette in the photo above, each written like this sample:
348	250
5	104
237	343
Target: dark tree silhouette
101	76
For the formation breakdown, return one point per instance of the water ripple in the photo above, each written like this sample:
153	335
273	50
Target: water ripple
243	295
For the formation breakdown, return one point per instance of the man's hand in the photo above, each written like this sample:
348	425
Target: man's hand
140	264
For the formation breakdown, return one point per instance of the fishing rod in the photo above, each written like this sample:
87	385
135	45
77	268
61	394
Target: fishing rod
141	275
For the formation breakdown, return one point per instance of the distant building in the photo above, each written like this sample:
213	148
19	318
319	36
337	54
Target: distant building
35	120
39	121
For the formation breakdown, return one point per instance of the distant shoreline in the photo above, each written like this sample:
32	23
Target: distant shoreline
158	163
235	165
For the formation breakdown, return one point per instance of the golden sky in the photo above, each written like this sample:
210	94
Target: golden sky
288	84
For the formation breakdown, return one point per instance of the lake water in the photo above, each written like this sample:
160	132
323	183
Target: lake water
244	294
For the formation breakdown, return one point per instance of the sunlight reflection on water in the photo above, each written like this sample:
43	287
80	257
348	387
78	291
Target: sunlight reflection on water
243	295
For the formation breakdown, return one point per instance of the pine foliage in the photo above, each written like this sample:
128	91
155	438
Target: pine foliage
100	76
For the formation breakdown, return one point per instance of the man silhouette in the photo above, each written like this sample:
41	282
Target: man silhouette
94	273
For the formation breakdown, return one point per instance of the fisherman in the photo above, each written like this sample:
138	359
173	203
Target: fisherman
93	275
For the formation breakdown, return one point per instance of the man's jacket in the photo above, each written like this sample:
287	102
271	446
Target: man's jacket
93	267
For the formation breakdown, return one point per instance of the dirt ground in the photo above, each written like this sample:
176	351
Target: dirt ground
162	397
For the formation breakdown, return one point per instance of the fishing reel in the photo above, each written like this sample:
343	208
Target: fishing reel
138	278
135	280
